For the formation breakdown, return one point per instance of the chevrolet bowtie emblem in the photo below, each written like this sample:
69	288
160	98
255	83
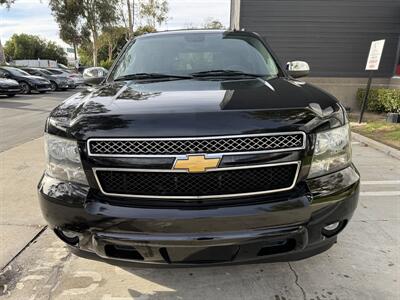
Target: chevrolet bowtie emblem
196	163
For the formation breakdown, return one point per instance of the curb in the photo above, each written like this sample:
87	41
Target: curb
376	145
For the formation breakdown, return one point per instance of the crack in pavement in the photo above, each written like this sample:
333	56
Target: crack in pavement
297	281
26	246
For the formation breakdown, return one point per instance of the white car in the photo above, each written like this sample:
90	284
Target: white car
76	78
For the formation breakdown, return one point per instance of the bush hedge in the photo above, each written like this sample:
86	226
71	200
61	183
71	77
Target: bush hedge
381	100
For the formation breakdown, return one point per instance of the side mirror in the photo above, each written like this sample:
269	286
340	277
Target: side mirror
93	80
298	68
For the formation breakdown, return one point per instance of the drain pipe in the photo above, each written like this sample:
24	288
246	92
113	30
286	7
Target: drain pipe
235	15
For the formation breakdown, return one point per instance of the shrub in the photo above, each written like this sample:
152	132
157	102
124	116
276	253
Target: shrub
106	64
381	100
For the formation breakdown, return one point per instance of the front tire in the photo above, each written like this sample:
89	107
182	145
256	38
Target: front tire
25	88
54	86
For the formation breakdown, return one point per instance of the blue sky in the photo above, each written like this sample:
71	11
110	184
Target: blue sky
34	17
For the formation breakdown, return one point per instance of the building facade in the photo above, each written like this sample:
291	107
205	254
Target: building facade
333	36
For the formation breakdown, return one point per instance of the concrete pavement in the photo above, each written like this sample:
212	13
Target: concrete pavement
365	264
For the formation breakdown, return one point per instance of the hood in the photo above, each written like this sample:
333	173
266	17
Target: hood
8	82
34	78
196	108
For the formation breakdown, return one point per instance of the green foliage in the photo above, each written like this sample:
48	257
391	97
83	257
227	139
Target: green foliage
381	100
155	12
85	55
214	24
7	2
106	64
25	46
78	19
144	29
67	15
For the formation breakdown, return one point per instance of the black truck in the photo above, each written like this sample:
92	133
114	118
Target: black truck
199	148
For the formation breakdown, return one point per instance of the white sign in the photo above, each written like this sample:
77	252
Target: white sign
375	54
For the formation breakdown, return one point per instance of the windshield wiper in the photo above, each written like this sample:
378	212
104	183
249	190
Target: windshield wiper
151	76
223	73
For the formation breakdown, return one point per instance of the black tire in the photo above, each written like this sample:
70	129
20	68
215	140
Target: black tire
54	86
25	88
10	95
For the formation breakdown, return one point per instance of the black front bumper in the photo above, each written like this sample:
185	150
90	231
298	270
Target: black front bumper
10	90
42	87
267	230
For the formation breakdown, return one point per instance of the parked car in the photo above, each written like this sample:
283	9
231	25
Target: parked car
199	147
57	82
76	79
27	82
9	87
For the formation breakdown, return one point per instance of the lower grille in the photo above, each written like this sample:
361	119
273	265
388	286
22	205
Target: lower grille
221	183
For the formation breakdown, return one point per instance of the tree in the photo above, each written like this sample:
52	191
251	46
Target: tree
94	15
113	38
67	14
98	14
7	2
131	12
155	12
213	24
24	46
2	56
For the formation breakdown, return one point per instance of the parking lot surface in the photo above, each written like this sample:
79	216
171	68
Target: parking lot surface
364	264
22	117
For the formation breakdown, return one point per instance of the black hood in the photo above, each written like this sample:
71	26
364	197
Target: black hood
196	108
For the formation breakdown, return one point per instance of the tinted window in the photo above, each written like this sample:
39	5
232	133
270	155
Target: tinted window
46	72
184	54
56	72
16	72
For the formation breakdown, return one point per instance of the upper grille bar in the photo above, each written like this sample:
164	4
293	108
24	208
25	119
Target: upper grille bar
227	145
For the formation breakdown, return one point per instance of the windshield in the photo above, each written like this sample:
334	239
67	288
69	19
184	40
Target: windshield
45	72
17	72
191	53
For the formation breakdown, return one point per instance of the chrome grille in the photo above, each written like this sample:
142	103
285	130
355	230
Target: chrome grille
176	146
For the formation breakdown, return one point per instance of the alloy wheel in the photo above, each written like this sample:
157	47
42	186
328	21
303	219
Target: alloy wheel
53	86
25	89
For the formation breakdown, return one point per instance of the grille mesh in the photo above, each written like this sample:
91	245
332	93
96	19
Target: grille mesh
211	145
200	184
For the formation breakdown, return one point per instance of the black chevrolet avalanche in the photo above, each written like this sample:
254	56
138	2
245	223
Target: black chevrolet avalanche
199	148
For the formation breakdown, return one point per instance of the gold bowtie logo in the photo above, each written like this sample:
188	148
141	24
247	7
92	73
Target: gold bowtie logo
196	163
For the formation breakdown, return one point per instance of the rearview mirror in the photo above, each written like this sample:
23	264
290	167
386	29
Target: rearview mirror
298	68
93	80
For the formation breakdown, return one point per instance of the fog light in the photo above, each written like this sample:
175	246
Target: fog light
332	226
68	237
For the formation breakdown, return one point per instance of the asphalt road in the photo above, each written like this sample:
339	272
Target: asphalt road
35	265
22	118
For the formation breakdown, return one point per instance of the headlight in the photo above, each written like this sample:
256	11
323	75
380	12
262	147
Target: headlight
332	151
63	160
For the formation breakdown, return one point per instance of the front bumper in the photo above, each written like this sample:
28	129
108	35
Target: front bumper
10	90
285	228
62	85
42	87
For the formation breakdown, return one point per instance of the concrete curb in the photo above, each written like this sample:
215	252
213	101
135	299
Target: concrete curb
376	145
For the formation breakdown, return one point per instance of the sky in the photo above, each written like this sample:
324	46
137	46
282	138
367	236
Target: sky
34	17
